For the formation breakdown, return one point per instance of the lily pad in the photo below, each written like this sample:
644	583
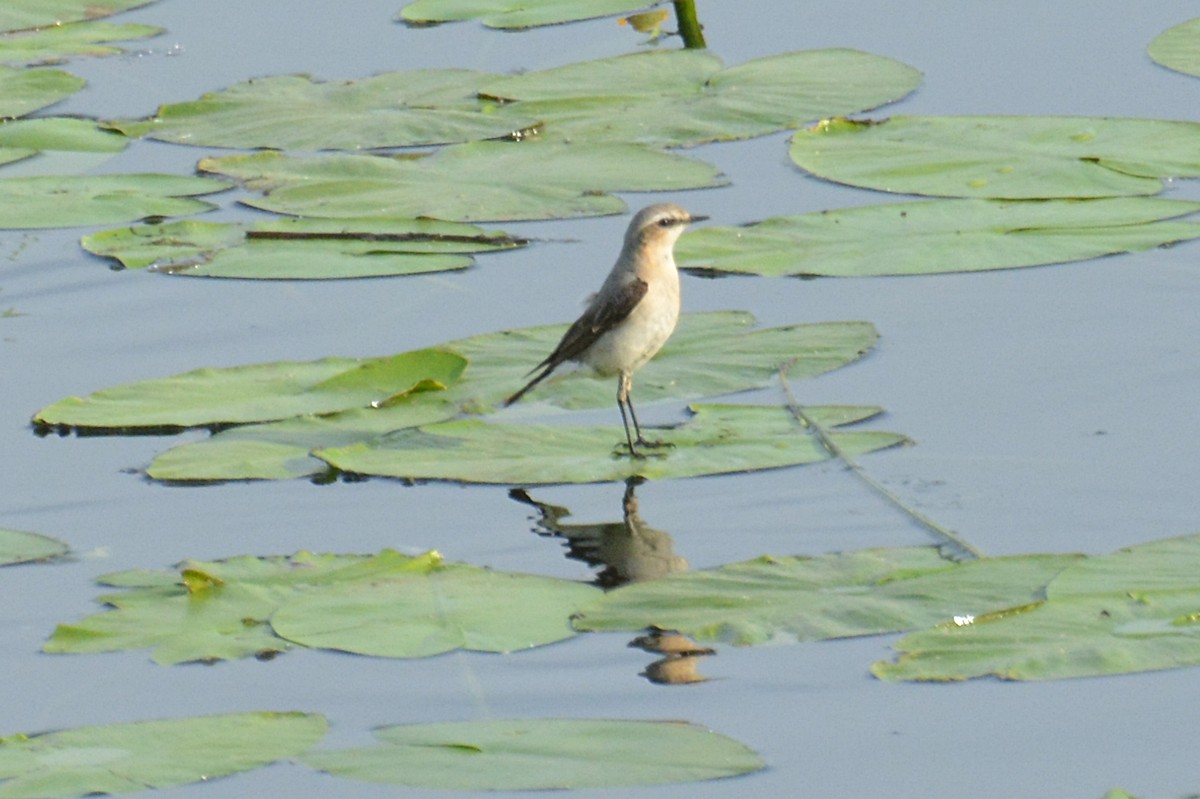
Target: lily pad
19	547
25	90
543	180
540	754
298	249
53	43
1135	610
1002	157
938	236
867	592
76	200
258	393
227	609
22	138
139	756
675	98
512	14
1178	48
294	112
718	439
448	607
18	15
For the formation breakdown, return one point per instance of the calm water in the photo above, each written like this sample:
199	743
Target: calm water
1054	410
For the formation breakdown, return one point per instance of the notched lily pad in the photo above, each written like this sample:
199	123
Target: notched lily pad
1135	610
139	756
543	180
938	236
674	98
540	754
19	547
298	249
389	605
718	439
77	200
1002	157
867	592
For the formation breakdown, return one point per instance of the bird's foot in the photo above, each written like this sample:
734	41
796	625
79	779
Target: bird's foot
656	444
633	452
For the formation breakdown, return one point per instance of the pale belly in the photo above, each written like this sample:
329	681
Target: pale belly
629	345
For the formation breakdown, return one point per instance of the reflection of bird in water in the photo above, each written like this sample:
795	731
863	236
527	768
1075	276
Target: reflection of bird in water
631	316
626	551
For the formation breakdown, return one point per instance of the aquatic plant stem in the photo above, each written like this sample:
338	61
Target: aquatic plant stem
952	544
689	26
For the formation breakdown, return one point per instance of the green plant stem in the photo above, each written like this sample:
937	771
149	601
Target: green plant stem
689	26
952	544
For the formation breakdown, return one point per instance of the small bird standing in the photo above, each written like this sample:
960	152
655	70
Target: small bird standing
632	315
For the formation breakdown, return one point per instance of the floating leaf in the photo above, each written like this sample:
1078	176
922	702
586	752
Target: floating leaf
76	200
684	97
542	180
709	355
937	236
447	608
23	91
1002	157
60	41
719	439
124	758
388	604
261	392
1178	48
294	112
540	754
19	547
867	592
24	14
294	249
1135	610
516	13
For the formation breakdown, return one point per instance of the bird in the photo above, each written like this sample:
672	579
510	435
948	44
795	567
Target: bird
632	315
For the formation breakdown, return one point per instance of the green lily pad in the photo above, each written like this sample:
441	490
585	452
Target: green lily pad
709	355
25	90
298	249
294	112
257	393
867	592
512	14
719	439
1178	48
23	138
76	200
61	41
19	547
228	609
139	756
1135	610
543	180
1002	157
937	236
683	97
449	607
540	754
18	15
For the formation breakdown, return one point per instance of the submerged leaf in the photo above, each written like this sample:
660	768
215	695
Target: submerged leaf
138	756
540	754
298	249
867	592
543	180
719	439
76	200
1002	157
19	547
937	236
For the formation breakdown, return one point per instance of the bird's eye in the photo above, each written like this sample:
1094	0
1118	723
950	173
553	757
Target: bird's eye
666	221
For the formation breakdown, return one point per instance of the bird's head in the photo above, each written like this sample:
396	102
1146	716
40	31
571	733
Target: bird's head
658	224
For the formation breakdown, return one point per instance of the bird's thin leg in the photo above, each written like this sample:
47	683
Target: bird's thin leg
627	382
622	401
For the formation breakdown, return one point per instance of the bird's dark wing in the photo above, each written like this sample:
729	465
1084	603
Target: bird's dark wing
595	322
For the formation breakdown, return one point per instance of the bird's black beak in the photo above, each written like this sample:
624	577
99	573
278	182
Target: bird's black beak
695	218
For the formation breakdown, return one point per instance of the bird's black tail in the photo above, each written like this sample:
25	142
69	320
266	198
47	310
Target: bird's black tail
542	375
